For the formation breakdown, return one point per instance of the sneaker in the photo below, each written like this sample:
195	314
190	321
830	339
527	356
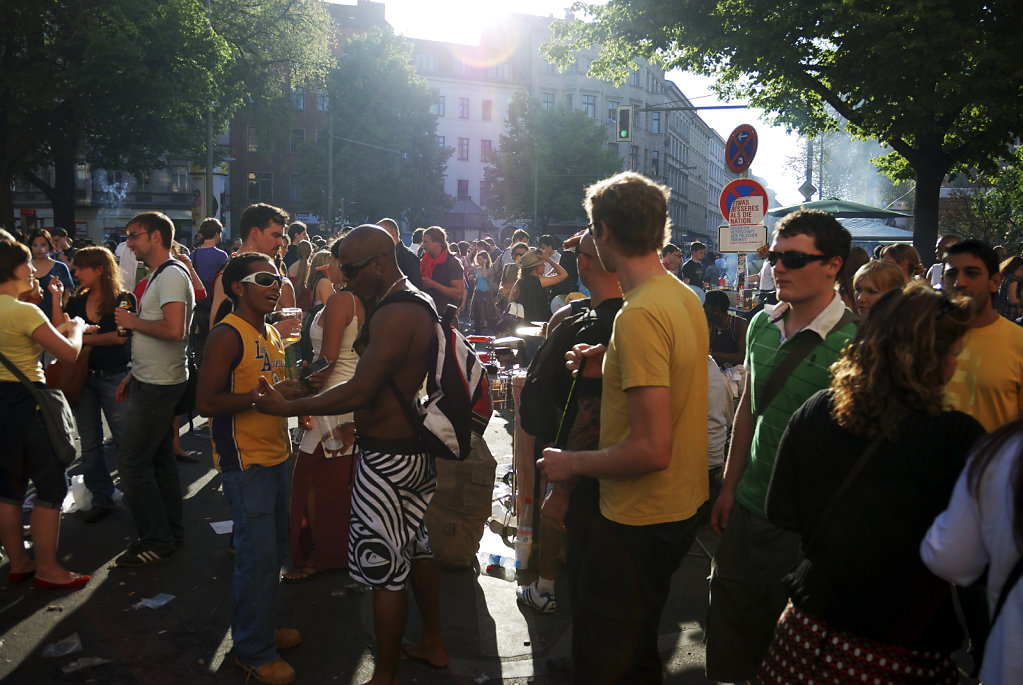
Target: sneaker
287	638
277	672
134	557
544	602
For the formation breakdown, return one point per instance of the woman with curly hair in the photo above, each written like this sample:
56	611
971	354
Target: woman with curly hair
861	472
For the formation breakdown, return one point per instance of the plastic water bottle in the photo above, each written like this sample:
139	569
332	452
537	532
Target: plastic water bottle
524	537
497	565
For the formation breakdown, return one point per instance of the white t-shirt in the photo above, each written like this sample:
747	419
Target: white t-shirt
154	360
720	411
766	277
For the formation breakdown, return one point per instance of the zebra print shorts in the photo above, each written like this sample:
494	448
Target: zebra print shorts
388	528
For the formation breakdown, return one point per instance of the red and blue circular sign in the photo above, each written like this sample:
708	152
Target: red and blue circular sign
741	148
740	187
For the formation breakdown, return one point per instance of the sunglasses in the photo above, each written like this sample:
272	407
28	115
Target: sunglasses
352	268
264	279
794	259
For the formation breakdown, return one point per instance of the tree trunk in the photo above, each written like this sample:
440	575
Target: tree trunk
63	197
6	203
925	209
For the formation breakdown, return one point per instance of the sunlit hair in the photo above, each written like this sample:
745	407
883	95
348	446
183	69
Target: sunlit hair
634	209
829	237
894	364
12	255
884	273
902	251
236	268
40	233
857	258
485	256
437	235
154	221
1008	267
320	259
109	282
305	251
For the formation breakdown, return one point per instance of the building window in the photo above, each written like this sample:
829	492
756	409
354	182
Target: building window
439	107
568	100
320	135
612	112
549	68
261	186
298	98
297	138
295	190
322	101
499	71
547	100
424	62
655	162
483	194
485	150
463	108
488	106
463	189
634	157
655	122
463	148
250	139
634	77
440	141
589	103
179	178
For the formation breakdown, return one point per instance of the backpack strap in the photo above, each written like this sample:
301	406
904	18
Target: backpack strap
802	347
1010	582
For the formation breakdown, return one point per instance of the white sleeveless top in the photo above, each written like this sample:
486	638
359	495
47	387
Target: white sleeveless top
344	368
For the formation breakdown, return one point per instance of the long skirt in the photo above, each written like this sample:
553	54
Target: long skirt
325	544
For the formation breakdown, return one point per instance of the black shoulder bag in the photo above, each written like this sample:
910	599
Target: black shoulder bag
58	419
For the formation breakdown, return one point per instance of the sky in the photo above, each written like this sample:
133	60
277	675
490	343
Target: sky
461	21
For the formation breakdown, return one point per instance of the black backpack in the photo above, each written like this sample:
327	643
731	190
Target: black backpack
548	383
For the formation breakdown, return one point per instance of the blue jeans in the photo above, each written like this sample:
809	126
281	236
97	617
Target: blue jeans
259	498
100	395
149	471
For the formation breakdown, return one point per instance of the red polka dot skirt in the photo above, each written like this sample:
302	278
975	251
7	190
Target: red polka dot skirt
806	650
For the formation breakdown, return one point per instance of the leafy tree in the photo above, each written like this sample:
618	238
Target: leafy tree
119	83
935	80
386	158
547	157
992	210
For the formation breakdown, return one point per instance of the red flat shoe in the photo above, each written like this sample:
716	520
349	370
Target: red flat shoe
15	578
78	582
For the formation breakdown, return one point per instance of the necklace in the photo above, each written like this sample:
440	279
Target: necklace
388	291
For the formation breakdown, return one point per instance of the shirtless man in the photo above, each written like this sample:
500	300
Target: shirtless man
388	541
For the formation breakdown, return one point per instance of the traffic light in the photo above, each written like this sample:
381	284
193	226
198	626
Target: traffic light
625	124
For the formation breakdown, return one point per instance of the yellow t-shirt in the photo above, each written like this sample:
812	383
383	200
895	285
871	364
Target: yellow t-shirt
21	319
988	380
250	437
660	339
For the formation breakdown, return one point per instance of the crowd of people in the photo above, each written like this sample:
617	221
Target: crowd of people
873	459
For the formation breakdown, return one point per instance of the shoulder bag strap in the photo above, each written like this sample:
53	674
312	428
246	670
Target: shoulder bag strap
850	477
802	347
17	373
1010	582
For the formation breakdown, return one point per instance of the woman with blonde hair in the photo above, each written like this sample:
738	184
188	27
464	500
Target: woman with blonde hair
298	272
98	294
874	279
907	258
862	470
318	282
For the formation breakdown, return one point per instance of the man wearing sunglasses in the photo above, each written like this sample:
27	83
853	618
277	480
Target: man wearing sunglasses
395	477
746	593
652	456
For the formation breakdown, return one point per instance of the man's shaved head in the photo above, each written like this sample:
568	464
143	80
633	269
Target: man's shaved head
366	240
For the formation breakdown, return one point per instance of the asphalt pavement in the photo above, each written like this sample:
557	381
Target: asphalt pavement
490	638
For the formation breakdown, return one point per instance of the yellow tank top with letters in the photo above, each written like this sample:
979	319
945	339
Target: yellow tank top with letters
250	437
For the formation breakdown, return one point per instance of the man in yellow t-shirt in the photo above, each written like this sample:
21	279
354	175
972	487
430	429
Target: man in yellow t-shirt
988	381
652	461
